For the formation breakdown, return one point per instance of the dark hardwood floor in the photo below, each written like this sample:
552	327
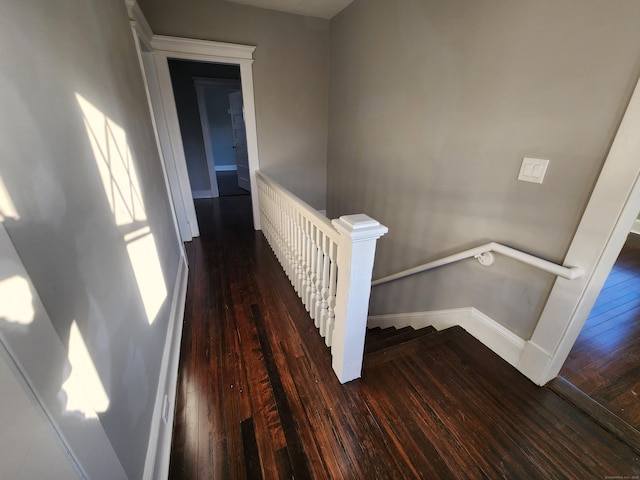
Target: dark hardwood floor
257	397
228	184
605	360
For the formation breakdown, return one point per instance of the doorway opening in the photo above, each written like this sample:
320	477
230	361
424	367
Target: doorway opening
604	363
158	83
209	105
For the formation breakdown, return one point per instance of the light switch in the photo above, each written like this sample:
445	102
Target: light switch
533	170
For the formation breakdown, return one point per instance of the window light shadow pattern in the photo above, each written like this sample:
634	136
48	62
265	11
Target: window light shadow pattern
16	301
7	209
115	164
83	382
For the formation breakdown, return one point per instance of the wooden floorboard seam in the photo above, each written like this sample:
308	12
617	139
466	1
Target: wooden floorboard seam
257	397
601	415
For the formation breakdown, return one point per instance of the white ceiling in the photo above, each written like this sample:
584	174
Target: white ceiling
311	8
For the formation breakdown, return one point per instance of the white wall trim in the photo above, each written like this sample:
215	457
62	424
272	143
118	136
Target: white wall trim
533	362
605	224
179	206
206	138
165	47
179	47
439	319
139	23
636	227
498	338
489	332
226	168
40	409
176	156
215	52
159	448
82	437
142	35
201	194
201	84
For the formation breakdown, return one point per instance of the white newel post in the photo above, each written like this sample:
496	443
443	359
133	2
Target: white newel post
356	250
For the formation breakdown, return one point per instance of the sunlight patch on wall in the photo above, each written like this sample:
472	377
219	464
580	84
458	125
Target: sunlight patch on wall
120	182
146	266
113	157
84	382
7	208
16	301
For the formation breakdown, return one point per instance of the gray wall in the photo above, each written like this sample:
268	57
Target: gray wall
290	80
433	105
79	254
28	445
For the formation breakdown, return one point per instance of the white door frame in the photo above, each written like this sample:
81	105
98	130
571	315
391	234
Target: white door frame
164	48
608	218
213	52
201	84
142	40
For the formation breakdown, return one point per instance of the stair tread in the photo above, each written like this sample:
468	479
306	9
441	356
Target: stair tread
378	357
376	334
393	337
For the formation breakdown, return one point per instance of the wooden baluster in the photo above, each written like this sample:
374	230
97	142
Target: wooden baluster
292	245
331	298
288	240
333	280
317	266
294	251
280	228
304	253
324	284
308	277
299	254
311	296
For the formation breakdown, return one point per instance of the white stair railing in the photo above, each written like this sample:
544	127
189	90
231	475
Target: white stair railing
329	264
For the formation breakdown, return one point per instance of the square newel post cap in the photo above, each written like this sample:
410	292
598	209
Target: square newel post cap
359	227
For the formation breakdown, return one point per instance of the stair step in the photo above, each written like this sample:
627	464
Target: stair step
376	334
381	339
374	359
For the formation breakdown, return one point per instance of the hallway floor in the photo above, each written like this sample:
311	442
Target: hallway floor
605	360
257	397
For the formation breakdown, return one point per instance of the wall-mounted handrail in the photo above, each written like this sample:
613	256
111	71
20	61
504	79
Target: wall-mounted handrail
481	253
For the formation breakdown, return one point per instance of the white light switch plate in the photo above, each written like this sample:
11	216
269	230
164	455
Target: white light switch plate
533	170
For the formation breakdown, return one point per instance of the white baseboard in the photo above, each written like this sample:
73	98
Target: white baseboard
159	448
226	168
439	319
489	332
201	194
534	363
636	227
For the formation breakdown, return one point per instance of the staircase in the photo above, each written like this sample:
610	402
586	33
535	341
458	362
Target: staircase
385	344
380	339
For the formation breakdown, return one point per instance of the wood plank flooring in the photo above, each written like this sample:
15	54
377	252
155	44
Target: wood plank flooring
228	184
257	397
605	360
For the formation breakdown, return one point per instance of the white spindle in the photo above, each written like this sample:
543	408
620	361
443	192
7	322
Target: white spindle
331	298
329	265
